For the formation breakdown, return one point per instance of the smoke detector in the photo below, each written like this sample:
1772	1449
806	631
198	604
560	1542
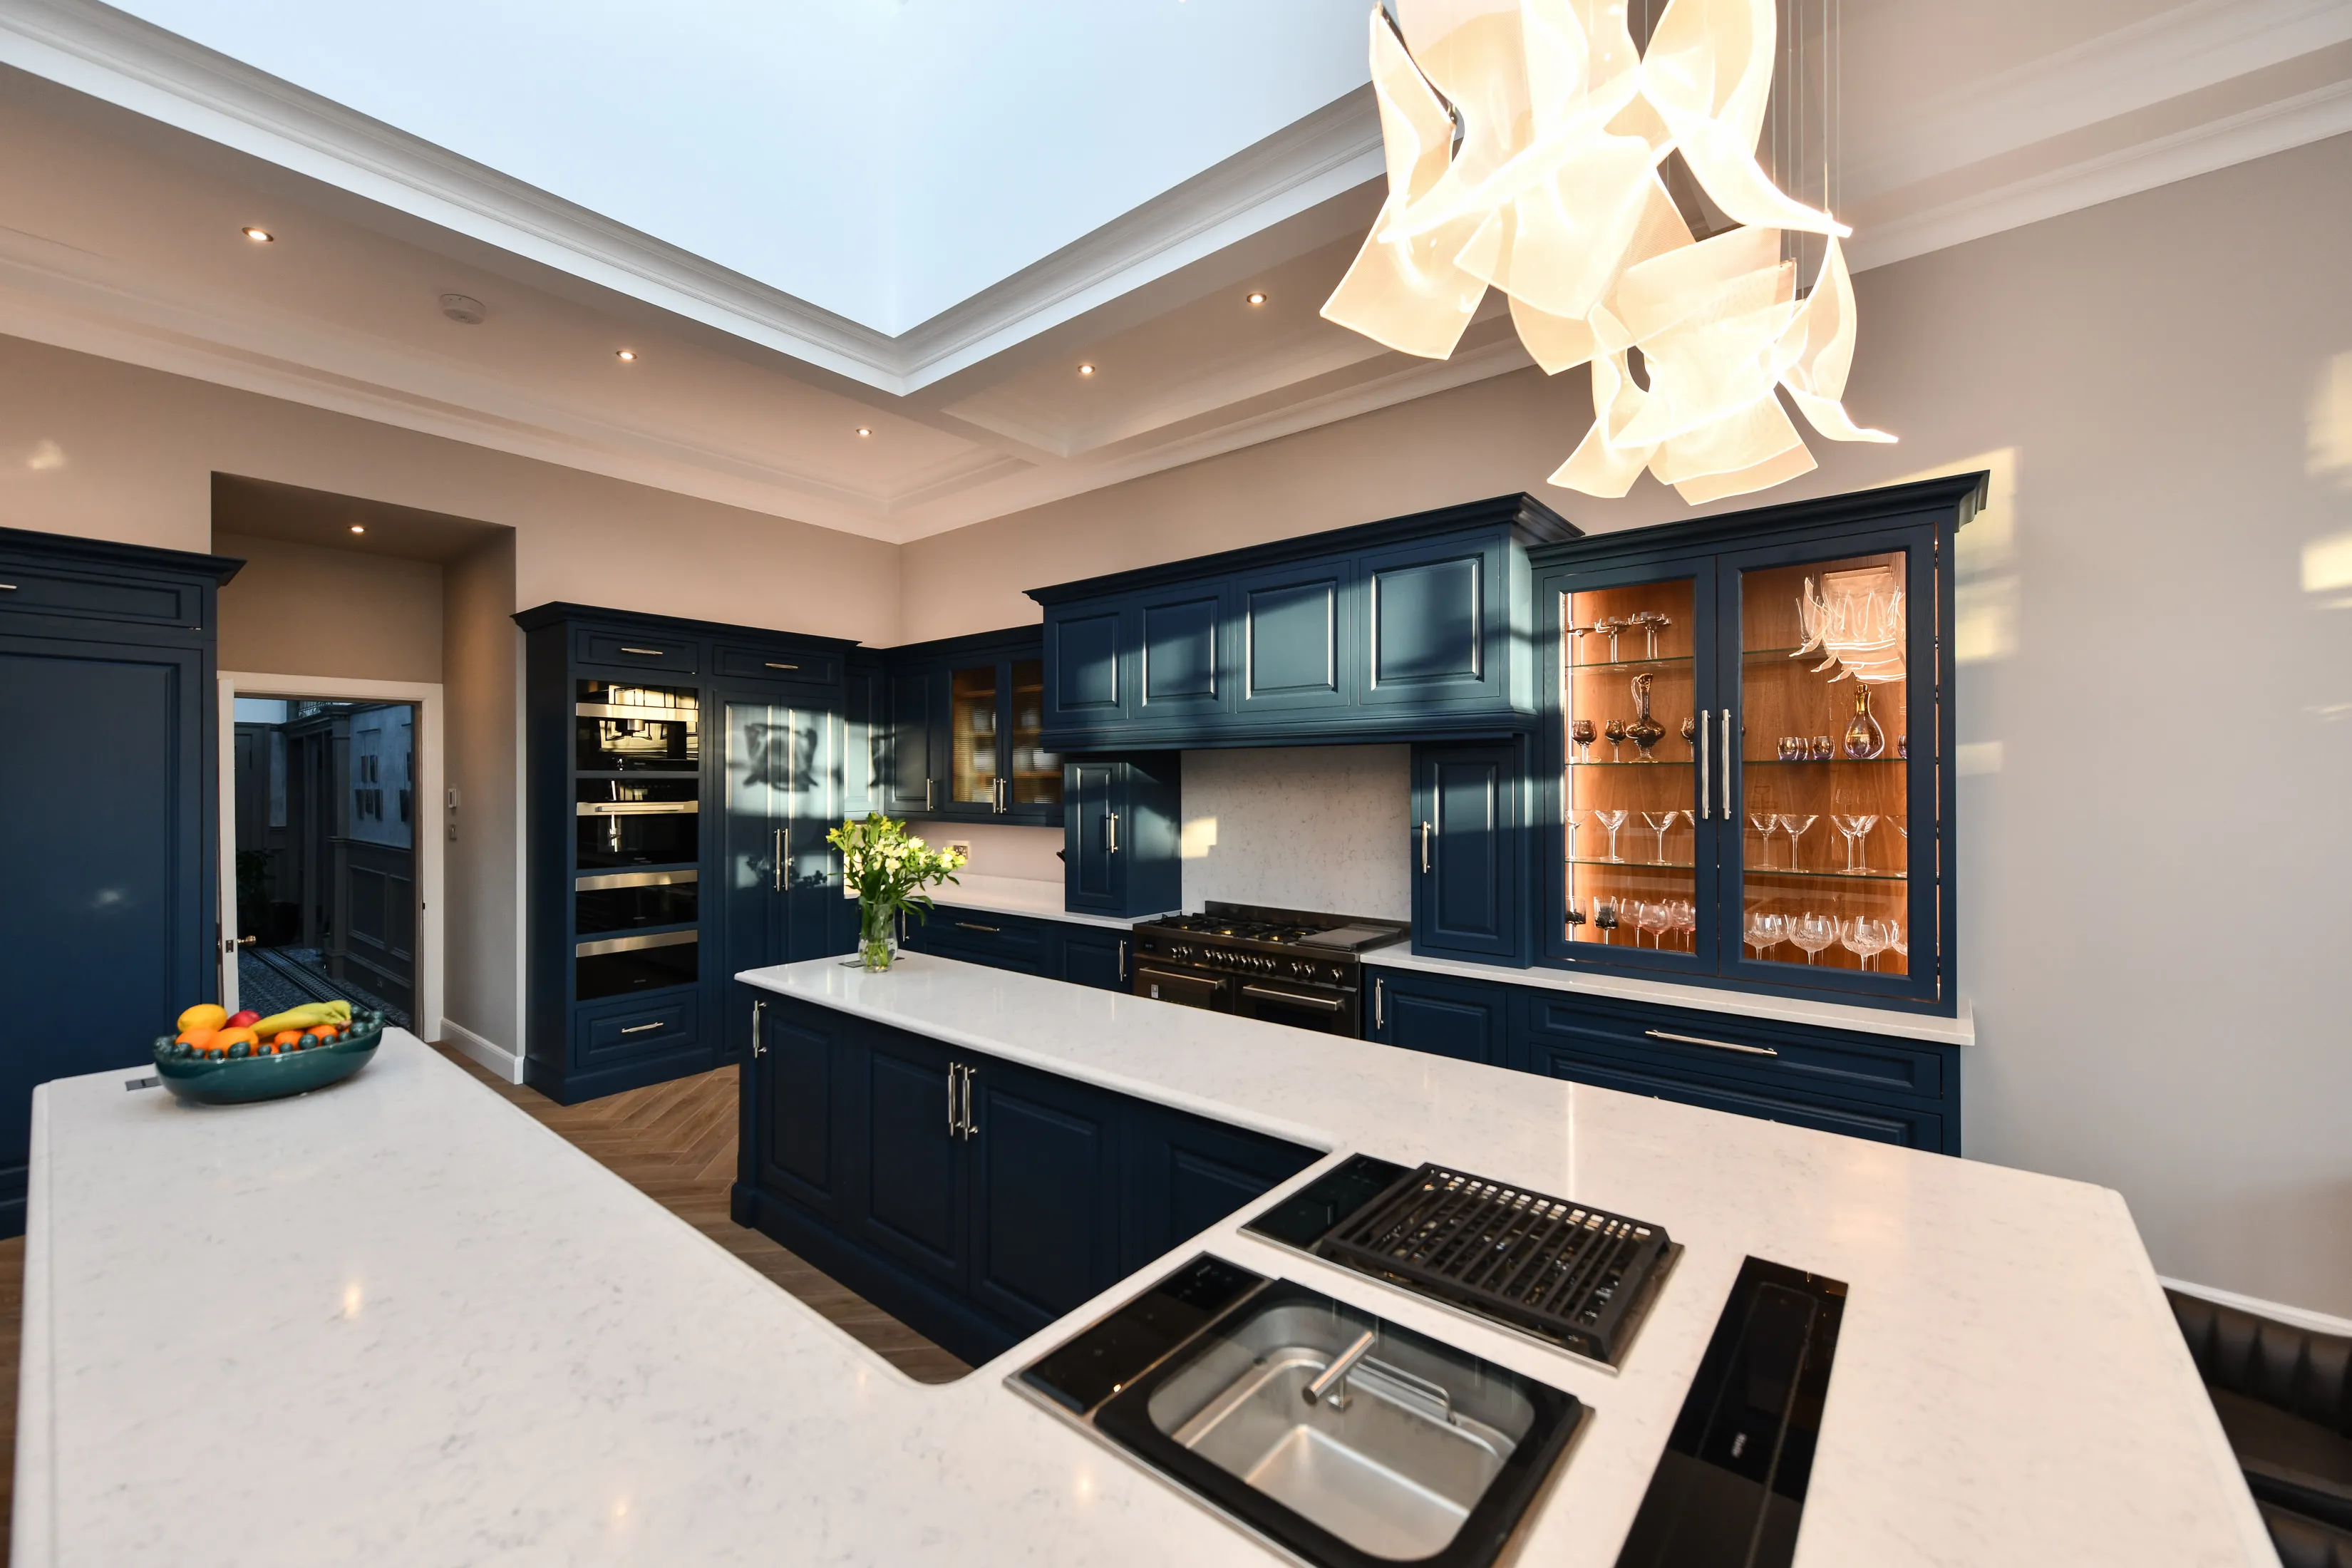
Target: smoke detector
463	308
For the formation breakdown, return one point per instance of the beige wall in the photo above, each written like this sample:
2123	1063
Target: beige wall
296	609
481	660
97	447
2155	668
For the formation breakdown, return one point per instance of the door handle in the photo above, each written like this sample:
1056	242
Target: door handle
1380	1003
1325	1003
970	1128
954	1069
231	944
1706	735
758	1005
1719	1045
1111	823
779	860
928	785
1727	754
1425	845
1122	961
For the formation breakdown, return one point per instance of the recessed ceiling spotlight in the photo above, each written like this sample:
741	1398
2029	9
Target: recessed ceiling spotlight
258	235
1085	370
866	430
625	355
359	527
464	310
1258	296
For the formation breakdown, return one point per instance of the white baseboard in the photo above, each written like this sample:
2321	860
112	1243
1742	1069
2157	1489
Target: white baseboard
507	1063
2297	1317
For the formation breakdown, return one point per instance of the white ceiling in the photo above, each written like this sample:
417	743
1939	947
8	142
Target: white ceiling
135	157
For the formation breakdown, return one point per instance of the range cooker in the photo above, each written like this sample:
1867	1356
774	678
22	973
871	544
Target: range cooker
1285	967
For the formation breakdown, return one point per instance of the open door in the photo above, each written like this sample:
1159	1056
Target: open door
224	929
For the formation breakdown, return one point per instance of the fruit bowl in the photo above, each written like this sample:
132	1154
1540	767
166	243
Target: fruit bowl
236	1080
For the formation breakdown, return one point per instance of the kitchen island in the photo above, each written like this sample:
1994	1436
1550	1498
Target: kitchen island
397	1322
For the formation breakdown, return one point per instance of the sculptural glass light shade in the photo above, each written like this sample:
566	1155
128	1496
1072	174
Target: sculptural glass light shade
1551	194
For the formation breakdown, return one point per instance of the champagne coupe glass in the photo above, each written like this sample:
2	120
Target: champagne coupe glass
1583	733
1614	733
1652	623
1604	915
1796	827
1611	821
1812	932
1766	931
1686	922
1611	625
1658	822
1856	826
1764	822
1866	938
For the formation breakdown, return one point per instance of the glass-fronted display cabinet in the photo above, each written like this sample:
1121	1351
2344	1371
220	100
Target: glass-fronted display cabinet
995	719
1748	734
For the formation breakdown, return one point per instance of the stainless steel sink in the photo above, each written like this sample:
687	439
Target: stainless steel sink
1346	1440
1390	1456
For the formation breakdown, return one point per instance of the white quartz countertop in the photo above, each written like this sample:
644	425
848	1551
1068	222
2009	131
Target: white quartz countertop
1956	1031
1021	895
397	1322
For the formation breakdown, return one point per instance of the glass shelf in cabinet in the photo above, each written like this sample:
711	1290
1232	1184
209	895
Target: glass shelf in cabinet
1575	664
1634	762
1752	872
1637	865
1822	761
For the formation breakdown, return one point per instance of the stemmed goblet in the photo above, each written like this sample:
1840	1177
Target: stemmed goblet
1654	918
1662	823
1866	938
1583	733
1795	827
1690	735
1686	920
1611	821
1604	915
1609	626
1766	931
1614	733
1856	826
1812	932
1576	816
1764	822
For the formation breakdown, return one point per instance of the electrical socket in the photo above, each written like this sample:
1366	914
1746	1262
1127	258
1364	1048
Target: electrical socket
962	846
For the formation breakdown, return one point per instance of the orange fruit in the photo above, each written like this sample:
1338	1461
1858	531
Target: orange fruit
223	1038
284	1036
199	1038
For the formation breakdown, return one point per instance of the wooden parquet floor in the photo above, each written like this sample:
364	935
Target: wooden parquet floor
676	1142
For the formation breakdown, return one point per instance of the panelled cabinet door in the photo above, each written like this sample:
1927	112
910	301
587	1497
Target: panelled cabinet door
915	1164
1088	648
1463	1019
1185	665
1095	958
1184	1174
1436	623
1093	874
1465	850
1296	628
1044	1191
917	771
801	1084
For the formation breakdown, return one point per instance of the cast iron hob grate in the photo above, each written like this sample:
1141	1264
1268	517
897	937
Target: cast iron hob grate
1566	1272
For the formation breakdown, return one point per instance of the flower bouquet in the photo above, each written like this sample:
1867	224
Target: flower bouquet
889	869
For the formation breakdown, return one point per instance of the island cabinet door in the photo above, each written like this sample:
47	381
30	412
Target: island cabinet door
1044	1193
1464	1019
802	1066
909	1127
1184	1173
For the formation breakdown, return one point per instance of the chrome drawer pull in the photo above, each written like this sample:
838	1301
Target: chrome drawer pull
648	652
637	1028
1719	1045
7	587
1325	1003
967	925
773	665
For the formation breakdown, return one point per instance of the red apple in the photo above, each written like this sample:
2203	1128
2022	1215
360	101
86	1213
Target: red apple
244	1020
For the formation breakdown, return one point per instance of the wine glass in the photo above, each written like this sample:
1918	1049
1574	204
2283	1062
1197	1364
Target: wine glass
1812	932
1604	915
1611	821
1856	826
1764	822
1796	827
1866	938
1583	733
1690	735
1686	922
1896	940
1658	822
1655	918
1614	733
1766	931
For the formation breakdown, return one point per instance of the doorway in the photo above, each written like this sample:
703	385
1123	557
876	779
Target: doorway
326	882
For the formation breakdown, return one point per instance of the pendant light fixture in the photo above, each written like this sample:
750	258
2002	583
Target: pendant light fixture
1526	142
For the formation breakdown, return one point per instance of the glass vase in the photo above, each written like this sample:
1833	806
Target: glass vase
1863	737
878	935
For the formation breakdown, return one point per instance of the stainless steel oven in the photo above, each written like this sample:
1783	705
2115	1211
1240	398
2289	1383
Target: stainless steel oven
1278	965
1329	1009
1184	986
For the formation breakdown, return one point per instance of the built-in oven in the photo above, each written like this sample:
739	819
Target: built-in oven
1329	1009
636	729
634	901
615	966
1185	987
640	821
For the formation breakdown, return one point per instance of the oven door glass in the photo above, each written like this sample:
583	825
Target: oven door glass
1325	1012
1185	987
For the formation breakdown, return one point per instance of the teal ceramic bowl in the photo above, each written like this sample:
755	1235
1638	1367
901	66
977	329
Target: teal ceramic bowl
236	1080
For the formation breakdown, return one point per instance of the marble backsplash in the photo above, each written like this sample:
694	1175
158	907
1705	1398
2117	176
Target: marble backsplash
1306	827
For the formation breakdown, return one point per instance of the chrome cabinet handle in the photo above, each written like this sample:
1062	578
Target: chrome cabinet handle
779	860
758	1005
640	1028
1325	1003
1111	823
1729	815
773	665
1380	1003
1719	1045
1122	961
7	587
1425	846
967	925
970	1128
954	1069
928	785
648	652
1705	733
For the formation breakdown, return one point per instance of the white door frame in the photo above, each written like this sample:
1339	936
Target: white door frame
429	816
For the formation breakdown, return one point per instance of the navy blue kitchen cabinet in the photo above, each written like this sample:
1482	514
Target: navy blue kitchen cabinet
1417	626
1098	956
1885	1088
1094	956
1468	842
975	1200
1466	1019
966	717
108	795
1122	825
680	778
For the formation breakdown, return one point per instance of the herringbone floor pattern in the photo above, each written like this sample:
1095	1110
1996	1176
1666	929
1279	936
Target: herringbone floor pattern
676	1142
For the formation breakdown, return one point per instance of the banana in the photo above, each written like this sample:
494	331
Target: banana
308	1017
